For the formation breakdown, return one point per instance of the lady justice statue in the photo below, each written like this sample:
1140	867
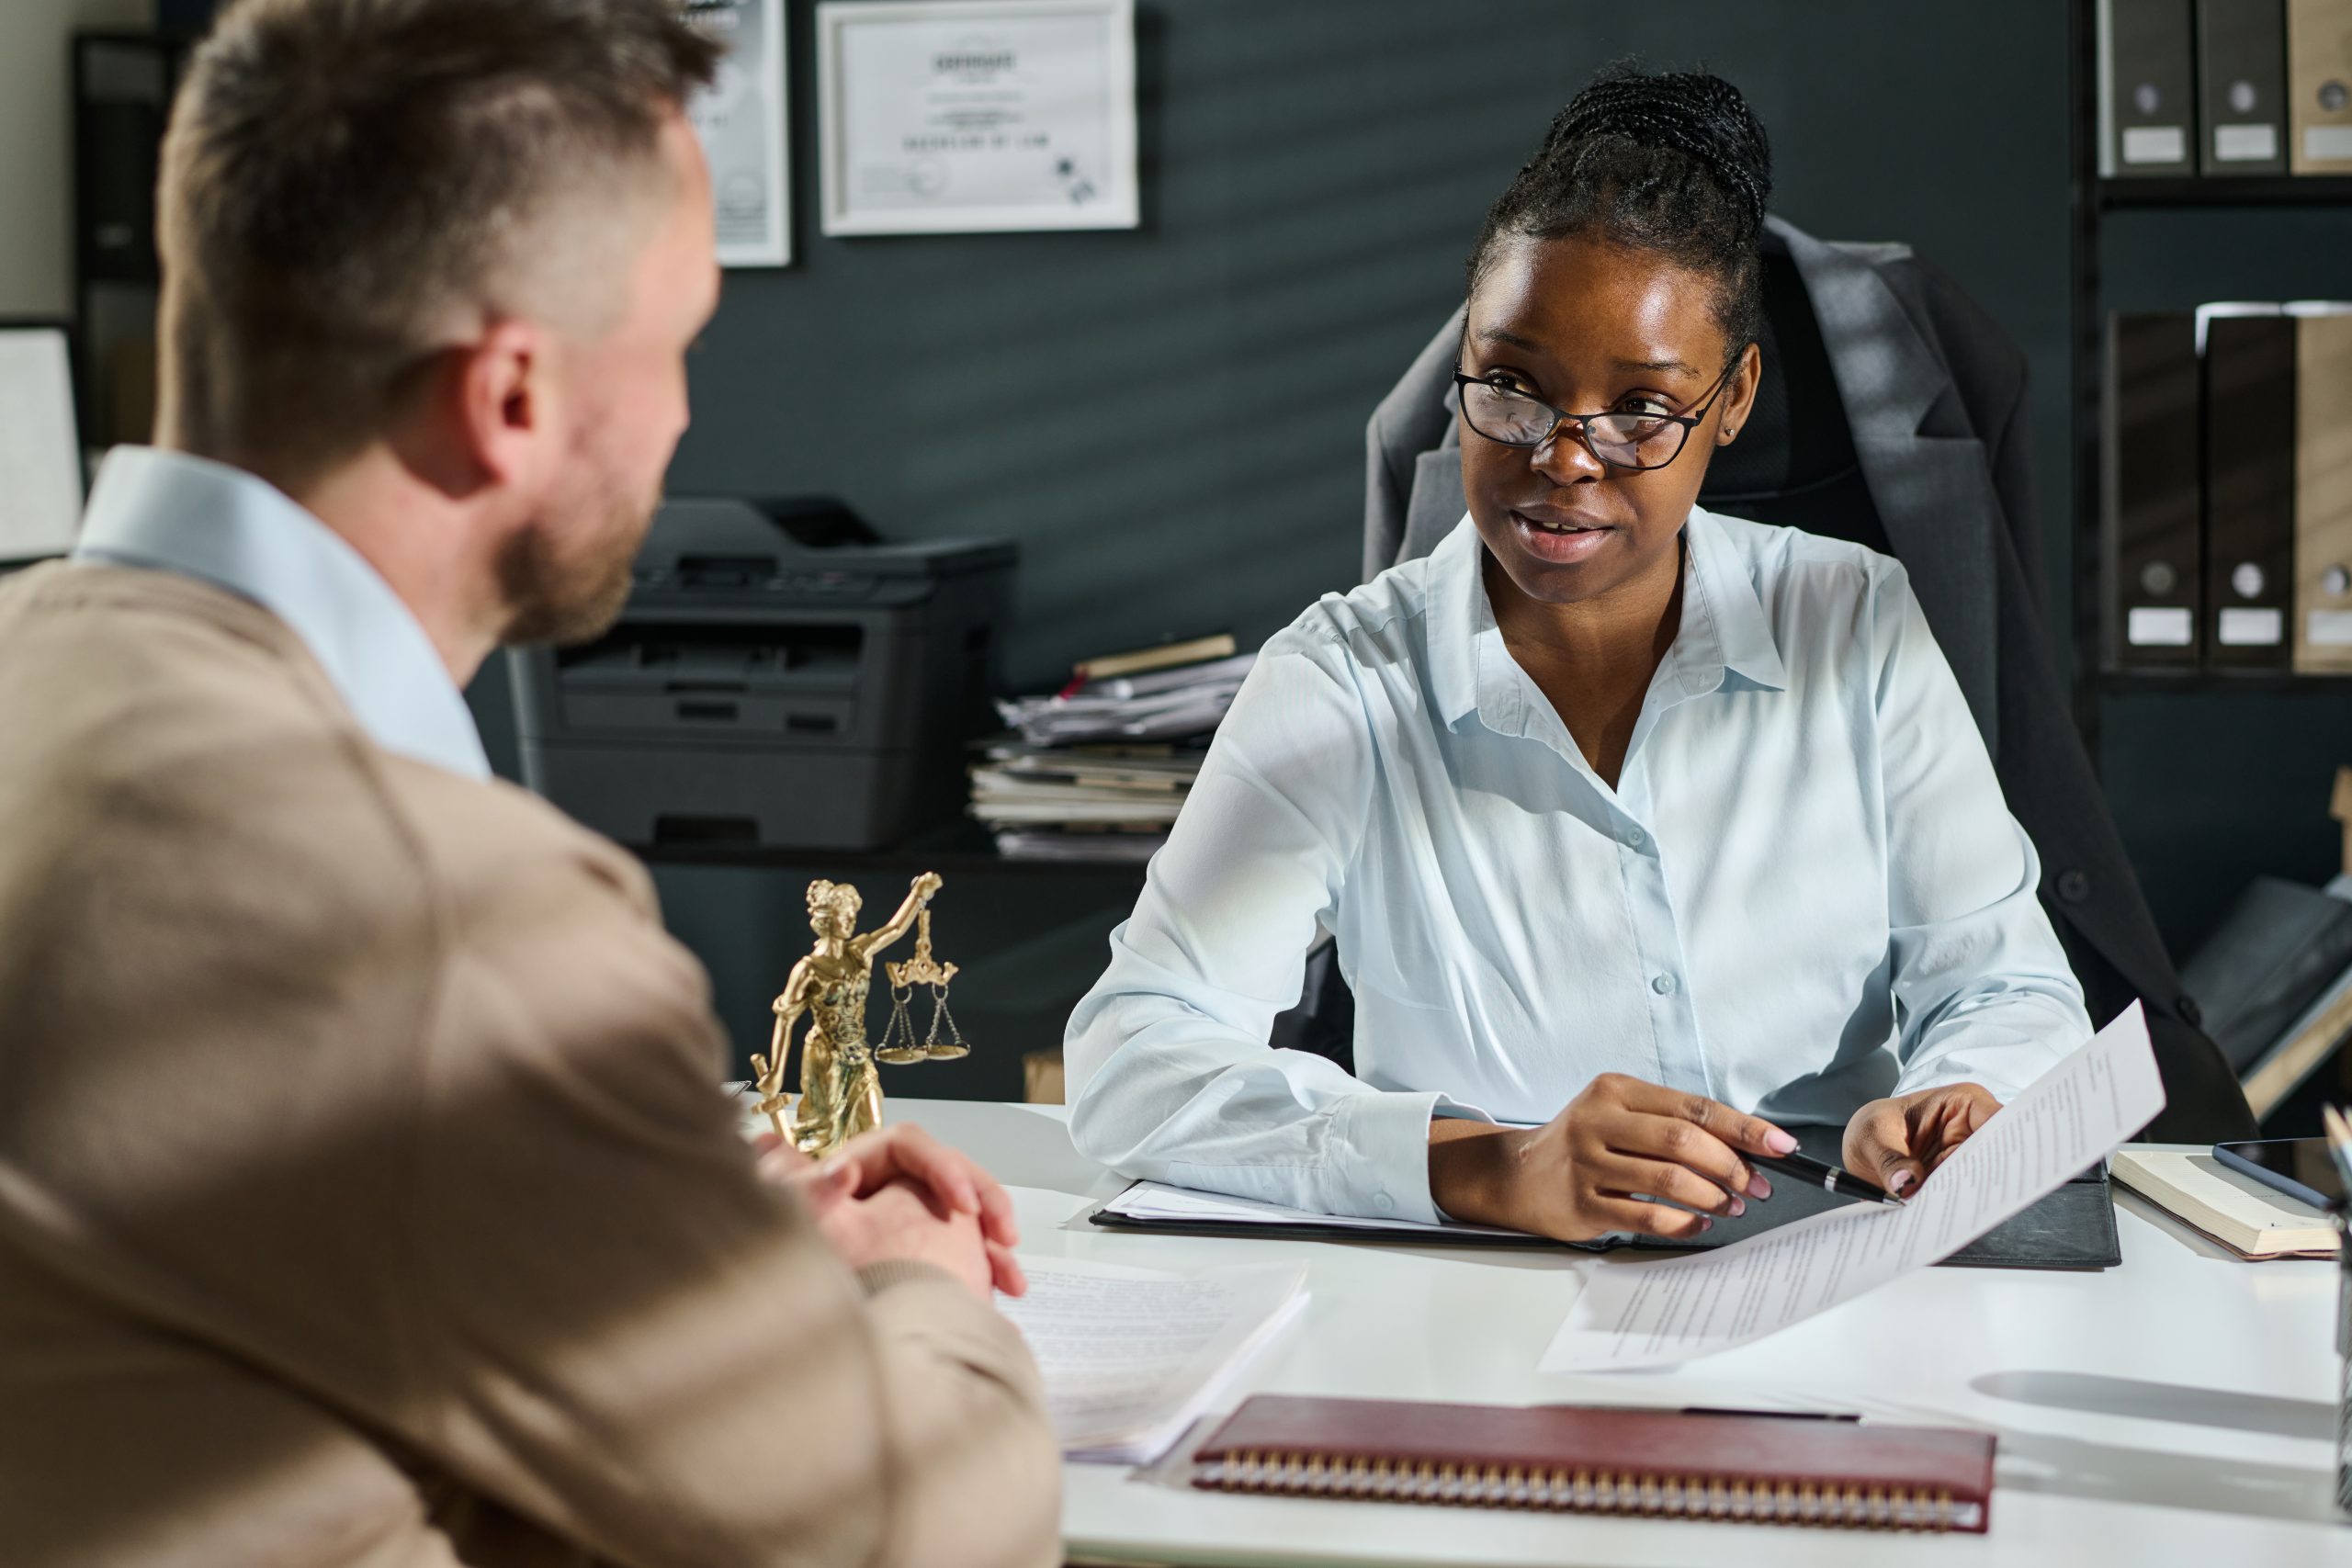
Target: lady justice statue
841	1093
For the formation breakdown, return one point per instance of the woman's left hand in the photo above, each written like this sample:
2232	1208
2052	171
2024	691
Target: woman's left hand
1897	1142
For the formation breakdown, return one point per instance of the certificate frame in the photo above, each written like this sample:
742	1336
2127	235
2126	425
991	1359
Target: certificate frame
40	440
1086	177
743	121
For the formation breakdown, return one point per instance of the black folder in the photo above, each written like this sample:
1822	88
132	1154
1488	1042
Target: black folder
2150	573
2147	89
2278	950
2241	86
2071	1228
2249	387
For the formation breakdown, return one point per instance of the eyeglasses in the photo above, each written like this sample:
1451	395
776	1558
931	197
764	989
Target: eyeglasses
1638	441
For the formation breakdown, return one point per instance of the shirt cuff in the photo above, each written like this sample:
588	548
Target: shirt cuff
1382	1151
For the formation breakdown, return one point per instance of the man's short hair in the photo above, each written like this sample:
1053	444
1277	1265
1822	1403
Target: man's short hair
351	186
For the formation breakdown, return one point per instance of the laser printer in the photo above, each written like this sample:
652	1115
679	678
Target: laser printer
779	679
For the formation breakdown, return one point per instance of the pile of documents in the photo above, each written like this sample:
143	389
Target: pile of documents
1099	769
1132	1357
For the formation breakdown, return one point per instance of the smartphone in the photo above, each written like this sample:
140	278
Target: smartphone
2301	1168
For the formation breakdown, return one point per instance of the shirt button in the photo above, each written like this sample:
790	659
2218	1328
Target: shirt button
1663	985
1383	1202
1635	838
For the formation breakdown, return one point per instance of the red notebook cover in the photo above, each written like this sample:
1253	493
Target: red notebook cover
1661	1463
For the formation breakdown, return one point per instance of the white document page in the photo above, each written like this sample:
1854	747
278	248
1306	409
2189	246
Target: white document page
1651	1314
1131	1357
1156	1200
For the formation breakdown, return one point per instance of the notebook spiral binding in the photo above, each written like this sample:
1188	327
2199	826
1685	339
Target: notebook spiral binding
1586	1491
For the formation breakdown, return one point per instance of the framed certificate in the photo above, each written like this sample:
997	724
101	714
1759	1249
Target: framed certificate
941	116
741	119
40	444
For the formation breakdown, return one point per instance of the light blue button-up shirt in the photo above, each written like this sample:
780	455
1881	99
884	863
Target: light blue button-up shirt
1804	892
171	511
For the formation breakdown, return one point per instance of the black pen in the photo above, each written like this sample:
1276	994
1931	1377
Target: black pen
1830	1178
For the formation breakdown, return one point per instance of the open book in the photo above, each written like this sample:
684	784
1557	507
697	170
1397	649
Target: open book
1132	1357
2250	1219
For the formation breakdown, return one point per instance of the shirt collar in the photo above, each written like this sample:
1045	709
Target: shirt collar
174	512
1460	619
1724	626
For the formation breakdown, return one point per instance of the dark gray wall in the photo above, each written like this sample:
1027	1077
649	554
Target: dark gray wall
1170	421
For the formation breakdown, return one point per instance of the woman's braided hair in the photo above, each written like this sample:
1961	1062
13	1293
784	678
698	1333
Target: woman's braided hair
1675	163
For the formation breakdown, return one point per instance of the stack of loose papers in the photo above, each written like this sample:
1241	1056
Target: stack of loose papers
1132	1357
1099	772
1163	705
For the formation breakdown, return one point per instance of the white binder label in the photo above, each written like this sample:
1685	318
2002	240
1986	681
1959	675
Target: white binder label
2329	142
2328	628
2156	144
2252	628
2159	626
2244	144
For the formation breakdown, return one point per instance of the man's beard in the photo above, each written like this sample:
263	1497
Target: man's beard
565	596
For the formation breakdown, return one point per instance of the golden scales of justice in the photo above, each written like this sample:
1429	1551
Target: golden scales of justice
841	1092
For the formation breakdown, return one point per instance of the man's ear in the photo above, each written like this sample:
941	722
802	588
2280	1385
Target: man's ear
507	403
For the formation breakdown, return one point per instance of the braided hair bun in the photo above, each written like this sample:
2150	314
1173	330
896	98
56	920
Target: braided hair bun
1676	164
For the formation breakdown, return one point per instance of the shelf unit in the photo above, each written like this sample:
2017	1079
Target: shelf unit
2222	190
2222	198
2213	776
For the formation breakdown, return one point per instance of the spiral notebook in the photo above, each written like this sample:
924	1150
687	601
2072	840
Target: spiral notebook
1657	1464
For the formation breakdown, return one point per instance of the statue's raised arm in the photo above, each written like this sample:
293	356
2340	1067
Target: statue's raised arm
898	924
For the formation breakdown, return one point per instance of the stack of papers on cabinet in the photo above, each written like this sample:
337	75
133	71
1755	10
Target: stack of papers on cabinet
1132	1357
1099	770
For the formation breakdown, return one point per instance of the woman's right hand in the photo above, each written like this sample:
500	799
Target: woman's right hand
1574	1177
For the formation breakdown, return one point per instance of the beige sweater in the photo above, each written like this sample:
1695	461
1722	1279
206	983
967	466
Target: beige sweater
366	1196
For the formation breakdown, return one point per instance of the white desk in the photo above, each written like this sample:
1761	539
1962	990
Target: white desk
2179	1409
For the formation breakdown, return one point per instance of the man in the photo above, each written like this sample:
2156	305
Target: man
366	1194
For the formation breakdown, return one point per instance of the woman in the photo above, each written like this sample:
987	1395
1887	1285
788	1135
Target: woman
1647	828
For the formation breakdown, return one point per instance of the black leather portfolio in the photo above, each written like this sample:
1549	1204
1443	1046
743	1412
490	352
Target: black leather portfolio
2249	355
2241	86
2071	1228
2150	576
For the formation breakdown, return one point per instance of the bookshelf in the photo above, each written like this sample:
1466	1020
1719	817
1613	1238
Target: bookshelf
2172	243
2214	777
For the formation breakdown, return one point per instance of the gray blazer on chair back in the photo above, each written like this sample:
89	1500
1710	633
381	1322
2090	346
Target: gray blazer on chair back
1934	396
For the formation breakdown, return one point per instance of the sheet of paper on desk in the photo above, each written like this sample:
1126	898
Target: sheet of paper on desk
1651	1314
1157	1200
1132	1357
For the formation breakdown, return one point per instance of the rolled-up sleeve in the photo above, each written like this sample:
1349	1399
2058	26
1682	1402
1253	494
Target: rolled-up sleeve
1171	1072
1981	988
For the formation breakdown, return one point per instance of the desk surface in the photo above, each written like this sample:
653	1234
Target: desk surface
2179	1409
